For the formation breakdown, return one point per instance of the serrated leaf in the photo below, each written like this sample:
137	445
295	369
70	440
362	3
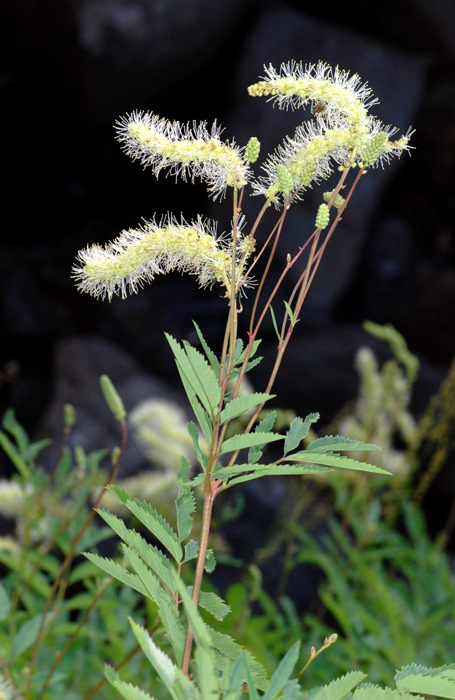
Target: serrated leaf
337	689
150	582
338	443
240	442
199	628
201	414
169	616
191	551
434	681
374	692
206	674
335	460
253	363
238	406
256	471
178	685
213	604
126	690
298	430
185	503
210	561
230	648
157	525
283	672
118	572
264	426
152	556
212	358
209	388
194	435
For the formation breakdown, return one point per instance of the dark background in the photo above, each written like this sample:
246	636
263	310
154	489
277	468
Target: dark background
70	68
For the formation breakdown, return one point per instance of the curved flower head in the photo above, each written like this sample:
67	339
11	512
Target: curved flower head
184	150
138	255
342	132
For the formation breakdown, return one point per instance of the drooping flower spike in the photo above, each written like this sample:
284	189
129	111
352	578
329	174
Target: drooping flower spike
342	133
137	256
183	150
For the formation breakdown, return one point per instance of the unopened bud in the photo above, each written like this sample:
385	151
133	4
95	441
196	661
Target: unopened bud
113	400
69	415
284	178
374	149
322	217
252	149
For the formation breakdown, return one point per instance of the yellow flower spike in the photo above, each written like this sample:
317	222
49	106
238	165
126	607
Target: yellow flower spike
185	151
138	255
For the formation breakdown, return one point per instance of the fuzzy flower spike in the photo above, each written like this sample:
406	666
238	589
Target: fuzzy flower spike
342	132
185	151
138	255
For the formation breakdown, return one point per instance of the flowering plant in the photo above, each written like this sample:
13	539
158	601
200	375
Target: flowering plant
341	134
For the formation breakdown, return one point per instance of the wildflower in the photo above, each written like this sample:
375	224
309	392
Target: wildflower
12	498
138	255
186	151
160	427
322	217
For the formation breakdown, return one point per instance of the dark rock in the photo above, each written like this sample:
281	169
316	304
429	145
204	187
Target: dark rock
78	364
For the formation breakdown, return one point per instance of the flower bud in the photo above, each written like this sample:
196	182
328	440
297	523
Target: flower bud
284	178
69	415
113	400
252	150
322	217
374	149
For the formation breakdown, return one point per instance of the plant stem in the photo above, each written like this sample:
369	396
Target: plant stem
209	497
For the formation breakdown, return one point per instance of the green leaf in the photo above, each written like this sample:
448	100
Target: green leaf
431	681
238	406
27	634
117	571
374	692
15	429
240	442
191	551
152	556
126	690
194	435
265	426
199	628
212	358
229	647
150	582
283	672
5	603
291	314
210	561
193	366
335	460
157	525
206	674
185	503
202	416
259	470
337	689
169	616
272	313
213	604
336	443
178	685
298	430
20	464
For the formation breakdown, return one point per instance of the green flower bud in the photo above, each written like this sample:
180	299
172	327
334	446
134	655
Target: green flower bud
374	149
284	178
322	217
115	454
69	415
307	173
337	202
252	150
113	400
